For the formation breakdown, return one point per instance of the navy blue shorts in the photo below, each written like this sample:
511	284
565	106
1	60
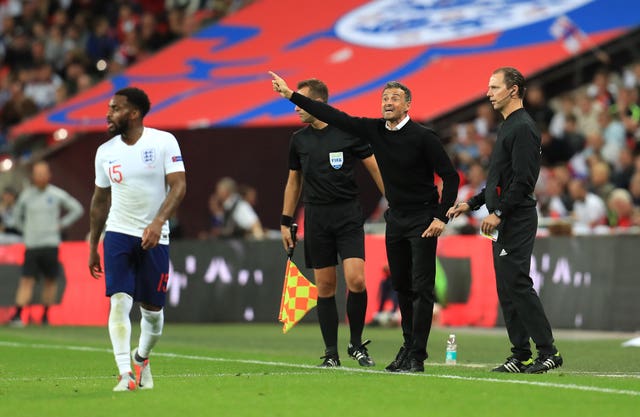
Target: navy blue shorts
143	274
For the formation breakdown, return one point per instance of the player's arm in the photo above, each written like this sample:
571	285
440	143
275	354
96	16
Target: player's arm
291	197
100	202
372	166
177	182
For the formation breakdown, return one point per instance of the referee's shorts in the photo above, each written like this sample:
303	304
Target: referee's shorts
331	230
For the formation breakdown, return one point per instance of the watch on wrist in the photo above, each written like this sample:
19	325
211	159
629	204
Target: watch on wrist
498	213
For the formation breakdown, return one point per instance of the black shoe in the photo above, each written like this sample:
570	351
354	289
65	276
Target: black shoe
361	354
415	365
401	362
514	365
544	363
331	360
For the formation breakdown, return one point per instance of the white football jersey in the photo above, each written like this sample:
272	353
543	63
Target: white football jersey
136	174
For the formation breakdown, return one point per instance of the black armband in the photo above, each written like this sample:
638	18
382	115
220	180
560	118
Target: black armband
286	220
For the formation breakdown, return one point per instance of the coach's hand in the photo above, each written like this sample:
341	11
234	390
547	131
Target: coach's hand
280	86
435	229
457	210
287	239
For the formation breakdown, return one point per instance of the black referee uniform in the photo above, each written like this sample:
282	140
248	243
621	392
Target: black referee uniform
513	172
408	159
333	219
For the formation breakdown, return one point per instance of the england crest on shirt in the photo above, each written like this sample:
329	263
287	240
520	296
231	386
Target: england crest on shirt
149	156
336	159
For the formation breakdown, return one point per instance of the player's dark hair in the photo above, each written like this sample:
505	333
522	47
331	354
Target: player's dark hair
396	84
513	77
317	89
137	98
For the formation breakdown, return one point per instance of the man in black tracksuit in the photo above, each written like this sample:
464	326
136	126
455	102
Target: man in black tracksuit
409	155
513	172
324	158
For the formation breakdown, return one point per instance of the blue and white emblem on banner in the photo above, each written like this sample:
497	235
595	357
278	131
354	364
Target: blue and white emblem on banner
407	23
336	159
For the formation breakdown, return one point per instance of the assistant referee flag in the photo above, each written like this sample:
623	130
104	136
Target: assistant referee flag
298	297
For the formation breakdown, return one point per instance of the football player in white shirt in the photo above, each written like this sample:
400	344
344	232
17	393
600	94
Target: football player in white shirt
140	181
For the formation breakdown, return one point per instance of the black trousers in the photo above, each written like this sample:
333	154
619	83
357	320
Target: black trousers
412	263
523	313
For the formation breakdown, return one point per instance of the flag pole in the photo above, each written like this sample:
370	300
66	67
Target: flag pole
294	232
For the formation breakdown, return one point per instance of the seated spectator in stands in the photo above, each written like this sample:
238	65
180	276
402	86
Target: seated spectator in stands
385	316
485	149
537	106
18	50
18	107
151	37
589	210
586	112
469	223
614	135
628	109
486	123
42	87
240	219
565	107
554	150
574	139
8	231
623	169
54	50
464	146
556	202
634	188
215	217
602	89
248	194
621	210
102	42
631	76
600	179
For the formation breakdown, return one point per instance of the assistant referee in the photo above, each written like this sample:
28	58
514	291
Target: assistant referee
324	157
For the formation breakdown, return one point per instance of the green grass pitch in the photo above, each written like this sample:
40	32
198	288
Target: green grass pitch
255	370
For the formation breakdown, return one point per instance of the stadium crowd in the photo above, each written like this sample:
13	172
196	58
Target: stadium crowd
590	176
51	50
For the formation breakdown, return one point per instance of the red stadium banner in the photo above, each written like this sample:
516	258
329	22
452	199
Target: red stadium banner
444	51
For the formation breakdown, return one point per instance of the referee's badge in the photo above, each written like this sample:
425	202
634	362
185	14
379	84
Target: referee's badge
336	159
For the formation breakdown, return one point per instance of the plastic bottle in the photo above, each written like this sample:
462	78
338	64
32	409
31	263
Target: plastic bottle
452	350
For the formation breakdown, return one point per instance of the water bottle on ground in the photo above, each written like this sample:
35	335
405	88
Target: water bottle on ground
452	350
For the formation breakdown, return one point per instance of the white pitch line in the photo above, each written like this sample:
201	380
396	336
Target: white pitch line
574	387
155	376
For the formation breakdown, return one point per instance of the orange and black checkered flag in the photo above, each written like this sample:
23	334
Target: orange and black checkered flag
299	295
